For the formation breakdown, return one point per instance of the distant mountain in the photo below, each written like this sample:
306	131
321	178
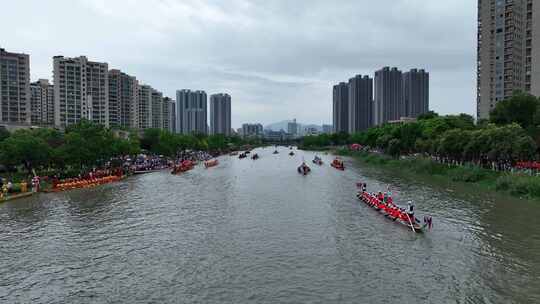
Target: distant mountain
277	126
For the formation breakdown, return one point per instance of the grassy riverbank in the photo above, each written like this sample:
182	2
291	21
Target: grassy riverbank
520	186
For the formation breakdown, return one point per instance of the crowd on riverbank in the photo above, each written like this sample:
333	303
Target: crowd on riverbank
112	171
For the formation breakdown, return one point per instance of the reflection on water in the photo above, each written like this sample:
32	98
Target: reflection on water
257	232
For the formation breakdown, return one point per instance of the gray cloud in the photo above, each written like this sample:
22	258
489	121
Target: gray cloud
278	59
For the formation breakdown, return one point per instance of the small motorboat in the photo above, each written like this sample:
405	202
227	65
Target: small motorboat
247	152
318	161
304	169
338	164
291	153
276	152
211	163
242	155
255	156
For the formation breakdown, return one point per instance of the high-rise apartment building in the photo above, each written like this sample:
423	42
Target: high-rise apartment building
172	111
123	100
168	110
81	91
145	106
340	107
42	103
415	93
220	114
508	51
360	103
388	95
157	109
191	112
14	88
292	127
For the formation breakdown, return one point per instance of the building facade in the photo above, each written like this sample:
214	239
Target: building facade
327	129
191	112
252	130
123	100
42	103
145	106
360	103
157	109
415	93
168	117
81	91
388	95
508	52
14	88
340	107
292	127
220	114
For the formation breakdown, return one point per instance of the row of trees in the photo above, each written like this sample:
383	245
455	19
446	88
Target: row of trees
86	145
509	136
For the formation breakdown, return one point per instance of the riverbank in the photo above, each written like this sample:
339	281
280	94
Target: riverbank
488	181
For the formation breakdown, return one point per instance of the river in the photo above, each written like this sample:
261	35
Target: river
258	232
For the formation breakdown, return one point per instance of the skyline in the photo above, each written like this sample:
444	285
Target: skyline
276	65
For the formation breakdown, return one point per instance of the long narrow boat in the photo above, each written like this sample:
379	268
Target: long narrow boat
211	163
72	184
394	213
186	165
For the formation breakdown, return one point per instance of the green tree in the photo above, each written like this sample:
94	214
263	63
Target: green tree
24	148
521	108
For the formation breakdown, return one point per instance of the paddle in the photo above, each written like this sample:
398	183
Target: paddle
409	218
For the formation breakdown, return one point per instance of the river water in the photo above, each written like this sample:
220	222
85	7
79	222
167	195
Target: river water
258	232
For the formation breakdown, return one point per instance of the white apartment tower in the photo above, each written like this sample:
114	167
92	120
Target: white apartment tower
81	91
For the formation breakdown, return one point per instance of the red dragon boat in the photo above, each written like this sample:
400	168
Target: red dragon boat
184	166
338	164
394	212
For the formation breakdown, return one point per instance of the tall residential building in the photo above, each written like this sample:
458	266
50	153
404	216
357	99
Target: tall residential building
81	91
191	112
360	103
42	103
292	127
145	106
168	114
388	95
415	93
172	111
123	100
340	112
508	51
157	109
252	130
220	114
14	88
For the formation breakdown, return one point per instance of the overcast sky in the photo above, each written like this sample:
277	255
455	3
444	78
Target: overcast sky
277	59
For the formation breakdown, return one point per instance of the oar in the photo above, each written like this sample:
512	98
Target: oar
409	218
